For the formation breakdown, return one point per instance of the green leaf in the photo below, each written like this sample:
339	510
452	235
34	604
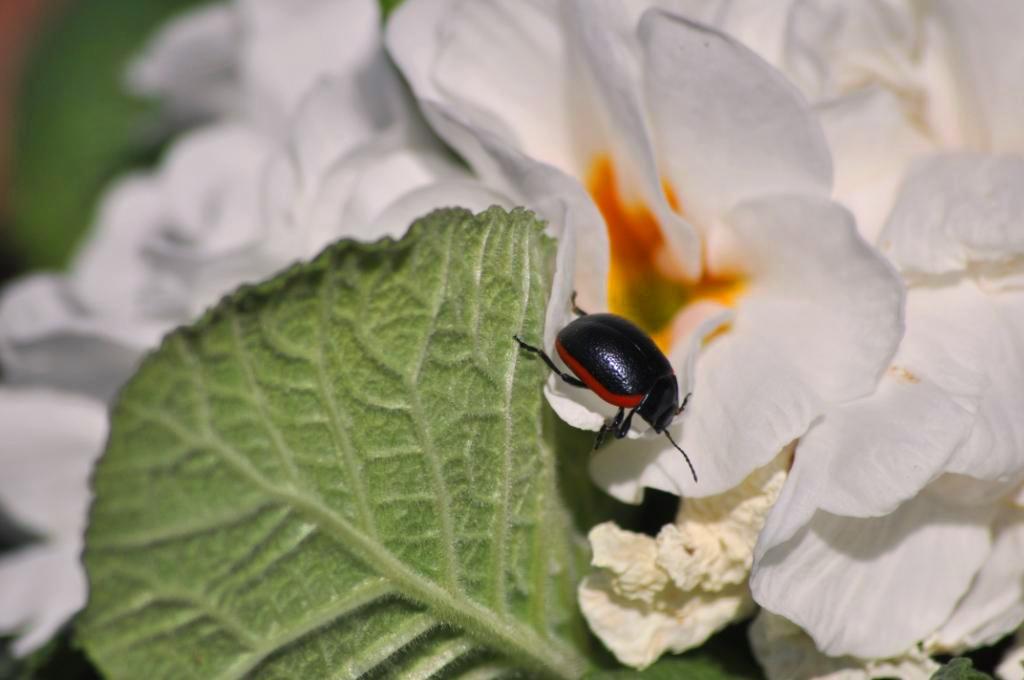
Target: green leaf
76	127
340	473
960	668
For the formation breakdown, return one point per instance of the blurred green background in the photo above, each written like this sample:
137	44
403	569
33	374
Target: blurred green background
66	124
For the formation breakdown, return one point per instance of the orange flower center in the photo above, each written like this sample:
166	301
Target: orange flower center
641	286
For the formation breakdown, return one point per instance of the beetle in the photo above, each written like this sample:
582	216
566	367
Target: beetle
620	363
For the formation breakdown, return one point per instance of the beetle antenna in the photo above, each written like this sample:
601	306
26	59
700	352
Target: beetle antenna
683	405
692	471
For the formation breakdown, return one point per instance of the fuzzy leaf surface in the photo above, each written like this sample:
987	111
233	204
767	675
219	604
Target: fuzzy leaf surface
960	668
340	473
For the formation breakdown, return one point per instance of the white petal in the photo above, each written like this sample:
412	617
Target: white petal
191	63
505	65
760	26
215	226
987	58
729	126
41	588
50	442
631	557
395	219
289	47
503	71
835	48
956	209
111	274
968	342
697	322
994	605
873	142
334	124
48	338
839	578
639	613
349	197
880	451
639	634
820	297
866	457
711	544
389	176
794	508
604	43
785	652
211	187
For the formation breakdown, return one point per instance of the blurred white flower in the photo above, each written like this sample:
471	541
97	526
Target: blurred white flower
279	174
307	138
50	442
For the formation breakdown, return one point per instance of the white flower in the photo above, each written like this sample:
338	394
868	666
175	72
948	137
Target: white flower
917	483
259	59
670	593
917	100
279	175
891	80
890	85
191	65
50	442
698	174
684	177
308	139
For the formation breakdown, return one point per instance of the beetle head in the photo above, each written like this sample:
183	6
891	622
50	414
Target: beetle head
660	404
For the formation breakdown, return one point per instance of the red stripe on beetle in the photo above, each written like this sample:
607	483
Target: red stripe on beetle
621	400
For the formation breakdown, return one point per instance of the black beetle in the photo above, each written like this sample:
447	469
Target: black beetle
613	358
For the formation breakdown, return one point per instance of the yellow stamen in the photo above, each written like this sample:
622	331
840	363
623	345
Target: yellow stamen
639	286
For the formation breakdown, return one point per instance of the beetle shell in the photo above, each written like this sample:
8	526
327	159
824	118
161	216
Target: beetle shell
613	357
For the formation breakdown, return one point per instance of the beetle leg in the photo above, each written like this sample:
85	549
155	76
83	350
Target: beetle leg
683	405
567	377
610	426
623	426
576	309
